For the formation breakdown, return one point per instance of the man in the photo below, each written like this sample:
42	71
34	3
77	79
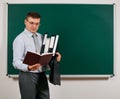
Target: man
32	79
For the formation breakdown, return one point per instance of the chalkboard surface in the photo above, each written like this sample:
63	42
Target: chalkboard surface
86	35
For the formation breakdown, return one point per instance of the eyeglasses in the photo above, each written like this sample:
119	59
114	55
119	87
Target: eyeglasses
33	23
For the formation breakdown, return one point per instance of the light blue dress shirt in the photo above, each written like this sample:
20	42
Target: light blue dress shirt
24	42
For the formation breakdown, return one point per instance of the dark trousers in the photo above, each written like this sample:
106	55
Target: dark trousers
33	85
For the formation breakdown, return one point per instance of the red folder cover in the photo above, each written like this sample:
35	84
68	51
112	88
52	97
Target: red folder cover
33	58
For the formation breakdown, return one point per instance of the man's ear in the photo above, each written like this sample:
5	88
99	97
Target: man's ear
25	21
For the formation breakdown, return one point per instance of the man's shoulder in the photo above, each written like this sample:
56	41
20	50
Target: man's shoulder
39	34
20	37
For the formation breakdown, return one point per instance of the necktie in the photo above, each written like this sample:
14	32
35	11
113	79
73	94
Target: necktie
37	46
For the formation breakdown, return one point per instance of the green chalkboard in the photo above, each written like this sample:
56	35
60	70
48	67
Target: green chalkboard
86	35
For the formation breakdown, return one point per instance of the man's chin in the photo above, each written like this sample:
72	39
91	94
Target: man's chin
33	31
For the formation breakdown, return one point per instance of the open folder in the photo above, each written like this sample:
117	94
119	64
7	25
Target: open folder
33	58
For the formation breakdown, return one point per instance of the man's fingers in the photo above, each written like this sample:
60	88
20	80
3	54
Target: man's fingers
34	67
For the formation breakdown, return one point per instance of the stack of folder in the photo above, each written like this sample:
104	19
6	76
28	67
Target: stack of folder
49	44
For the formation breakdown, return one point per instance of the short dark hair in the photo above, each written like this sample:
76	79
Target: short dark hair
33	15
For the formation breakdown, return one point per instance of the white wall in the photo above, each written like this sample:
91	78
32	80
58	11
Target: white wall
70	89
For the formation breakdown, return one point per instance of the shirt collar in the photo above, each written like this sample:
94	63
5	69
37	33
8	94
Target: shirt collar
29	33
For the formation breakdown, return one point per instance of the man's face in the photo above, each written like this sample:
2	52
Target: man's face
32	24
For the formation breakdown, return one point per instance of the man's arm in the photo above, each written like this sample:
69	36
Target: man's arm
18	54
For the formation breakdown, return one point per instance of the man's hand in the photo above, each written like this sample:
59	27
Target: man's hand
34	67
58	56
